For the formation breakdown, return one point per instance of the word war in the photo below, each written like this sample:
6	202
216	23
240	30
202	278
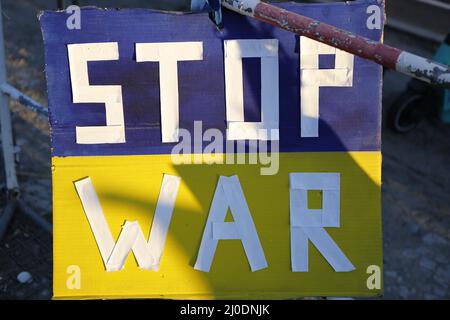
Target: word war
306	225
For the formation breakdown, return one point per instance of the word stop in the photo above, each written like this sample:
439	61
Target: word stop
169	54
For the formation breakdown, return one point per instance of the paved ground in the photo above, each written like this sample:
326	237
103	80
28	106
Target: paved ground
416	180
416	201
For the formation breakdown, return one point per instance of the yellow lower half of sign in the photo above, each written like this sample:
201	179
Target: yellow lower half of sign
128	189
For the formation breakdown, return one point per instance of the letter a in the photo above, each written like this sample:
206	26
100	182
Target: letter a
229	194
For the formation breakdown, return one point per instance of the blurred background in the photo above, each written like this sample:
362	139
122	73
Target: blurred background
416	156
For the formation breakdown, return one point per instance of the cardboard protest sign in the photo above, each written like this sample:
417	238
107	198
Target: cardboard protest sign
190	162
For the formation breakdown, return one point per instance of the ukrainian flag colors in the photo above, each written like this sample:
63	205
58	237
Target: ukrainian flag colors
127	176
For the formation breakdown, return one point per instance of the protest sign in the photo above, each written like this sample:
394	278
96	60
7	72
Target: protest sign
192	162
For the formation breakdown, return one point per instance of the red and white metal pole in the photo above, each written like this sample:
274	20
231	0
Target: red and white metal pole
391	58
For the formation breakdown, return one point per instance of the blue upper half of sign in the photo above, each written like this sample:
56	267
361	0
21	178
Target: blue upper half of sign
350	117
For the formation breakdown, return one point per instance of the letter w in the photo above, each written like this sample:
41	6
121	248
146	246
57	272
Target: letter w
148	254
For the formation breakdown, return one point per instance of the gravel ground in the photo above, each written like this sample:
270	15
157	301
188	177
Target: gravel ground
416	179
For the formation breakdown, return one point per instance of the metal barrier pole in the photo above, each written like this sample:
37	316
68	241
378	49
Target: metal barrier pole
9	159
391	58
5	122
25	100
